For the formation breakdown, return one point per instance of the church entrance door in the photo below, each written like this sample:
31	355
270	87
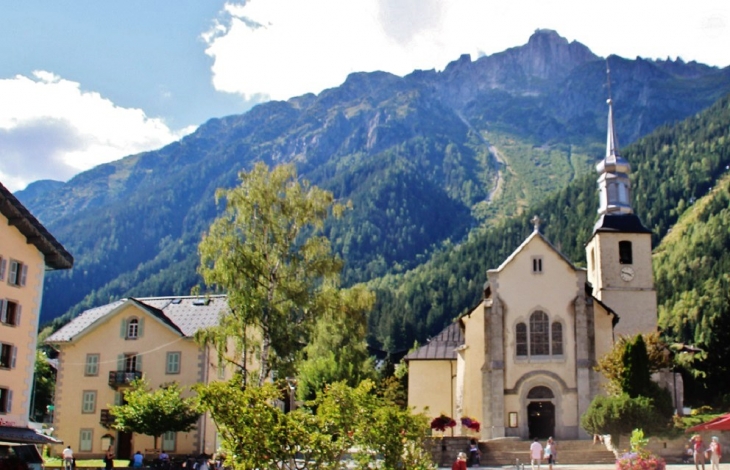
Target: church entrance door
541	419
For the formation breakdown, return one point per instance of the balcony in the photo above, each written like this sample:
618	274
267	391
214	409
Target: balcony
120	378
106	419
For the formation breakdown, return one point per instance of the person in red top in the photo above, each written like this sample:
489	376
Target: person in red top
698	451
715	453
460	463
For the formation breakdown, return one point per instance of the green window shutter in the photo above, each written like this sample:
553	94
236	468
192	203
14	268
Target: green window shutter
123	330
140	327
139	362
120	362
117	398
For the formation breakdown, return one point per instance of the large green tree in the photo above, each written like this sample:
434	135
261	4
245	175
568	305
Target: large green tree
258	434
267	253
155	412
338	351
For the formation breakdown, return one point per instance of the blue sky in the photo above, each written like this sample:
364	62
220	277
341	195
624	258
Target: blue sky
86	82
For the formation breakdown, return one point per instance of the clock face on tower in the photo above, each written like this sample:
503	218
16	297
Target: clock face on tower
627	273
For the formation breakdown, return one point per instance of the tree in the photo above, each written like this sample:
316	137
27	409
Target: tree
266	253
257	434
634	401
44	381
338	351
154	413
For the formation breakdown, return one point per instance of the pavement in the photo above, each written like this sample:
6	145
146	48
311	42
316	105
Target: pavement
670	466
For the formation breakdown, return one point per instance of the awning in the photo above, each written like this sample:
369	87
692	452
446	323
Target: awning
14	435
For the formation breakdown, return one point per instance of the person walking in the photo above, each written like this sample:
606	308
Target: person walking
536	453
715	453
698	452
109	458
474	453
68	458
551	452
137	460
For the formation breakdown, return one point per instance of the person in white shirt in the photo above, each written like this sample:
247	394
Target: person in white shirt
536	454
68	458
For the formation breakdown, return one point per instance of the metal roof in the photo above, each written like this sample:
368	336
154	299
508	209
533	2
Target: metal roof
440	347
184	314
56	256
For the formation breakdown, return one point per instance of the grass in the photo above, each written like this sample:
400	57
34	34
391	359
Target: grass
53	462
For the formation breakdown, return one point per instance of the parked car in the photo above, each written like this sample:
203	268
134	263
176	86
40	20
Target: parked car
27	453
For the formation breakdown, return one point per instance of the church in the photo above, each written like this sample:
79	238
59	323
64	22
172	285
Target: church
521	362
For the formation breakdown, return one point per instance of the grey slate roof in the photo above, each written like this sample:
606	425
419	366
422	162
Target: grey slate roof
56	256
440	347
184	314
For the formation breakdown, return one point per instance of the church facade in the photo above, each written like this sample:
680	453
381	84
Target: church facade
521	362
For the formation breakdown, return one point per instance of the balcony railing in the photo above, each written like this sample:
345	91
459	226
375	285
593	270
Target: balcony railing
121	378
106	419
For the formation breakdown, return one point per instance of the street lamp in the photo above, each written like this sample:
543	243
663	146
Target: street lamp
292	384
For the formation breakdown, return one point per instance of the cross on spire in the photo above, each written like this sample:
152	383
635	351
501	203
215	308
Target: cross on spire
536	222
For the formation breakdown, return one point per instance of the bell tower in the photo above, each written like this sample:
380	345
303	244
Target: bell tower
619	251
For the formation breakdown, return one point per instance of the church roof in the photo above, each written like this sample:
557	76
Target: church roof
535	233
623	223
440	347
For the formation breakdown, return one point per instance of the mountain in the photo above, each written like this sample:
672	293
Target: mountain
424	158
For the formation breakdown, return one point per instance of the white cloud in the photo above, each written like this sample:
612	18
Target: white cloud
284	48
51	129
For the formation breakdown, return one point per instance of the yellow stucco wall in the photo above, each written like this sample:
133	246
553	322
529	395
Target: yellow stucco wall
18	379
105	339
430	386
473	354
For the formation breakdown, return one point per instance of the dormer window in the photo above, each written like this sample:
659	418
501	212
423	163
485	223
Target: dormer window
537	264
133	329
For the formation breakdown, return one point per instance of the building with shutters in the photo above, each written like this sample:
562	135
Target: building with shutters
521	362
27	251
105	348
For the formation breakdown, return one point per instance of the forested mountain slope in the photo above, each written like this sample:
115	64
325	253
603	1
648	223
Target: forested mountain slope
671	168
424	158
692	269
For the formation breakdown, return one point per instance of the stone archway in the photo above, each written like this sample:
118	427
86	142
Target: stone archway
540	412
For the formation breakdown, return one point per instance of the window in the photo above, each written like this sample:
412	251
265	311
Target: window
92	364
537	264
7	355
173	363
168	441
132	328
9	312
88	401
3	266
556	334
6	400
539	334
130	363
521	339
625	255
85	440
17	274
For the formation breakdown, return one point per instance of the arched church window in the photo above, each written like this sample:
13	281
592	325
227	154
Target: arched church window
539	334
557	338
540	392
625	254
521	339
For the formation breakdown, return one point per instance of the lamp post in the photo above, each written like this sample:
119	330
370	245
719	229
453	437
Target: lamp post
292	384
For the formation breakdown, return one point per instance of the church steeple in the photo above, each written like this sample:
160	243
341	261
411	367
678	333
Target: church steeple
613	180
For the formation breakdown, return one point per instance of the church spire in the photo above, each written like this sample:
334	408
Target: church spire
613	180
